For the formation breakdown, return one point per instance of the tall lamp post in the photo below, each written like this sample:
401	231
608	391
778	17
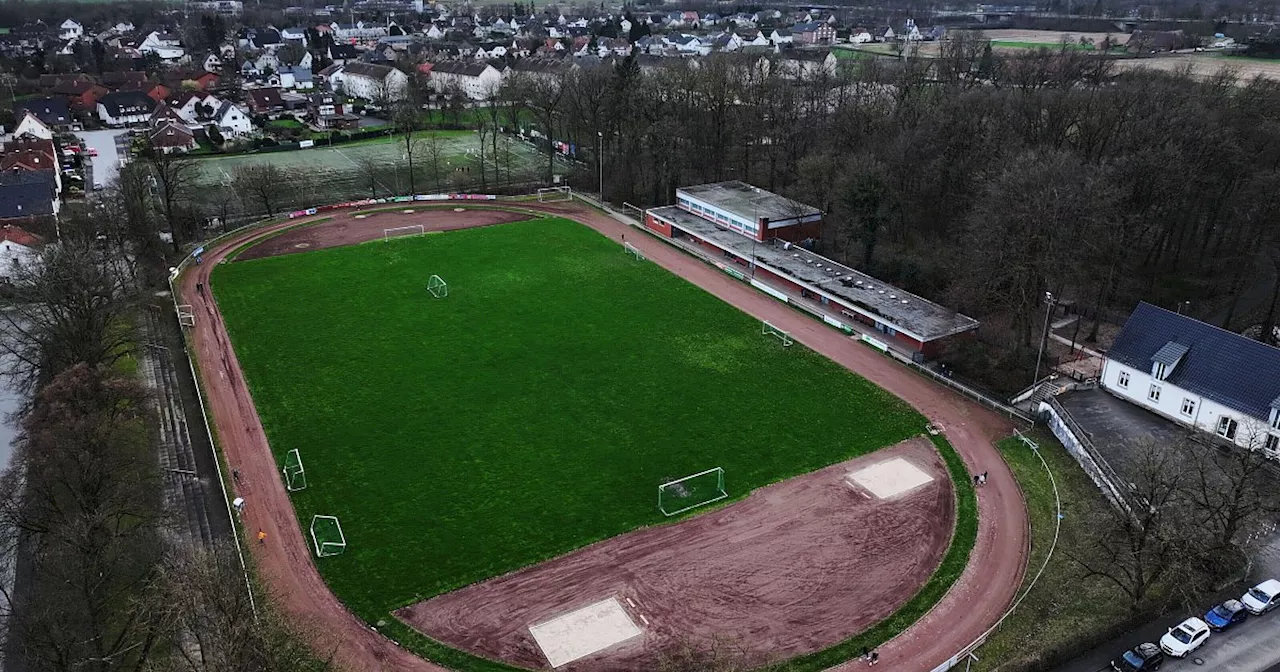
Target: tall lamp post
1048	312
600	160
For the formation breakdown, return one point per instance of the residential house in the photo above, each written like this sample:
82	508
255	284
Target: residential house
373	82
265	100
30	124
331	76
165	45
18	248
212	62
194	106
434	32
327	109
350	32
34	155
910	32
260	38
232	121
25	197
169	137
814	32
70	30
81	94
477	80
886	34
128	79
53	111
296	78
122	108
1197	375
341	53
294	36
860	36
155	91
187	78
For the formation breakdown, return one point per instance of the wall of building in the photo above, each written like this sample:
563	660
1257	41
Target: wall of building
653	224
1205	416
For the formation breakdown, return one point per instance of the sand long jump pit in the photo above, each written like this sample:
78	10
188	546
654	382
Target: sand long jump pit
796	567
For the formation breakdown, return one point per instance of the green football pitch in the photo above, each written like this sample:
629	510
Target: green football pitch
534	410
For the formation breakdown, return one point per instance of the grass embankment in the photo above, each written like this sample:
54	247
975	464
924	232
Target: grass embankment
533	411
1062	609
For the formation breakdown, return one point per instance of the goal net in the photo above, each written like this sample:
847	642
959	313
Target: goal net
555	194
683	494
295	477
634	251
437	286
767	329
326	536
401	231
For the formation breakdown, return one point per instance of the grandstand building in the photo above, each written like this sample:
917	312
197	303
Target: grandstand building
753	235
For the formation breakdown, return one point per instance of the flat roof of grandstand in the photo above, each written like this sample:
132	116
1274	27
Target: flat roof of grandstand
748	202
896	307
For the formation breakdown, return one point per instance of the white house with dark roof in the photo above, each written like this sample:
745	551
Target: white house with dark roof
1197	375
121	108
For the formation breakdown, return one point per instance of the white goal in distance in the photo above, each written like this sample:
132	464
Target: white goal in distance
327	537
437	286
295	476
767	329
402	231
634	251
555	194
684	494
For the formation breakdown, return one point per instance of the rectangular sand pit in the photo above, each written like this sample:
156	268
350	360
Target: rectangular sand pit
584	631
890	478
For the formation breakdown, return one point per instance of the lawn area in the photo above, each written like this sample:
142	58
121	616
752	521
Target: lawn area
533	411
1014	44
286	124
1063	611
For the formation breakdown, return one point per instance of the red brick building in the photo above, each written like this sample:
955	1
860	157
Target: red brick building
755	235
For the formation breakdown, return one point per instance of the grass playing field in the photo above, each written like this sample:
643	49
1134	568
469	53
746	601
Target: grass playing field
533	411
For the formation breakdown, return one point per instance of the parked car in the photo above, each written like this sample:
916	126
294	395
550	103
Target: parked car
1225	615
1184	638
1141	658
1263	597
92	152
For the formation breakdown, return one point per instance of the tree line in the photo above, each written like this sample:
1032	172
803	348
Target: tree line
82	524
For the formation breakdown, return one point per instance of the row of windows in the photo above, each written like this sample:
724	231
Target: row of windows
1227	426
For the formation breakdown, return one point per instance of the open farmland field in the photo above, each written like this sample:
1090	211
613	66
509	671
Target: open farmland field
1014	37
1207	65
533	411
324	174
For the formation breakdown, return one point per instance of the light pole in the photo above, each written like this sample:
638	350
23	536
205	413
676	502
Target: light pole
1048	312
600	160
1181	304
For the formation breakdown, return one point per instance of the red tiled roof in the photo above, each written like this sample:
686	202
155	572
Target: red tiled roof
19	235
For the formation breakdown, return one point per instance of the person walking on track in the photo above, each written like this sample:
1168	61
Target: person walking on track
262	537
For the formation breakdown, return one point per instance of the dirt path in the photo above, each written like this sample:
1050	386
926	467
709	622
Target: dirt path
285	564
795	567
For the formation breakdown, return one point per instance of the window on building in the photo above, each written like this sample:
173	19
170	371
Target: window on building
1161	371
1189	407
1123	379
1271	444
1275	418
1154	393
1227	427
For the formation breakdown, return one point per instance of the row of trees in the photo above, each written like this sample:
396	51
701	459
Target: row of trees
81	517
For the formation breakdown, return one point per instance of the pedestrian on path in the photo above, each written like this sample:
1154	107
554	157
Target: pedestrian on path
873	658
235	476
977	479
865	653
984	478
262	537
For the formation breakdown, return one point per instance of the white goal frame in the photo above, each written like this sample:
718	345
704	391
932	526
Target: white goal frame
555	194
719	489
295	476
388	234
437	286
186	315
633	250
328	548
767	329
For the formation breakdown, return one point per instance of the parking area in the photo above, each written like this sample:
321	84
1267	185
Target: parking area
110	144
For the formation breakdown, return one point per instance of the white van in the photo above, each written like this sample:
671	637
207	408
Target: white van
1263	597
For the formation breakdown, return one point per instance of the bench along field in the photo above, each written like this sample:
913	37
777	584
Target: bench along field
536	448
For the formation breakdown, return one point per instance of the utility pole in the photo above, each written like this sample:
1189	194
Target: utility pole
600	160
1048	312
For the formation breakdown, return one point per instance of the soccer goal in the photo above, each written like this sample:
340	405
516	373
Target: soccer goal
186	316
634	251
295	477
401	231
326	536
437	286
555	194
683	494
767	329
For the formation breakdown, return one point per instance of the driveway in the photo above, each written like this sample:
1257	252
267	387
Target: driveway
110	145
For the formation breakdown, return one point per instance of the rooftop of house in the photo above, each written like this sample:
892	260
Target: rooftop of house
50	110
1237	372
897	307
23	197
370	70
119	103
749	202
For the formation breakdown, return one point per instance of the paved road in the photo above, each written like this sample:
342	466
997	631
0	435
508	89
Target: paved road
1252	646
106	165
